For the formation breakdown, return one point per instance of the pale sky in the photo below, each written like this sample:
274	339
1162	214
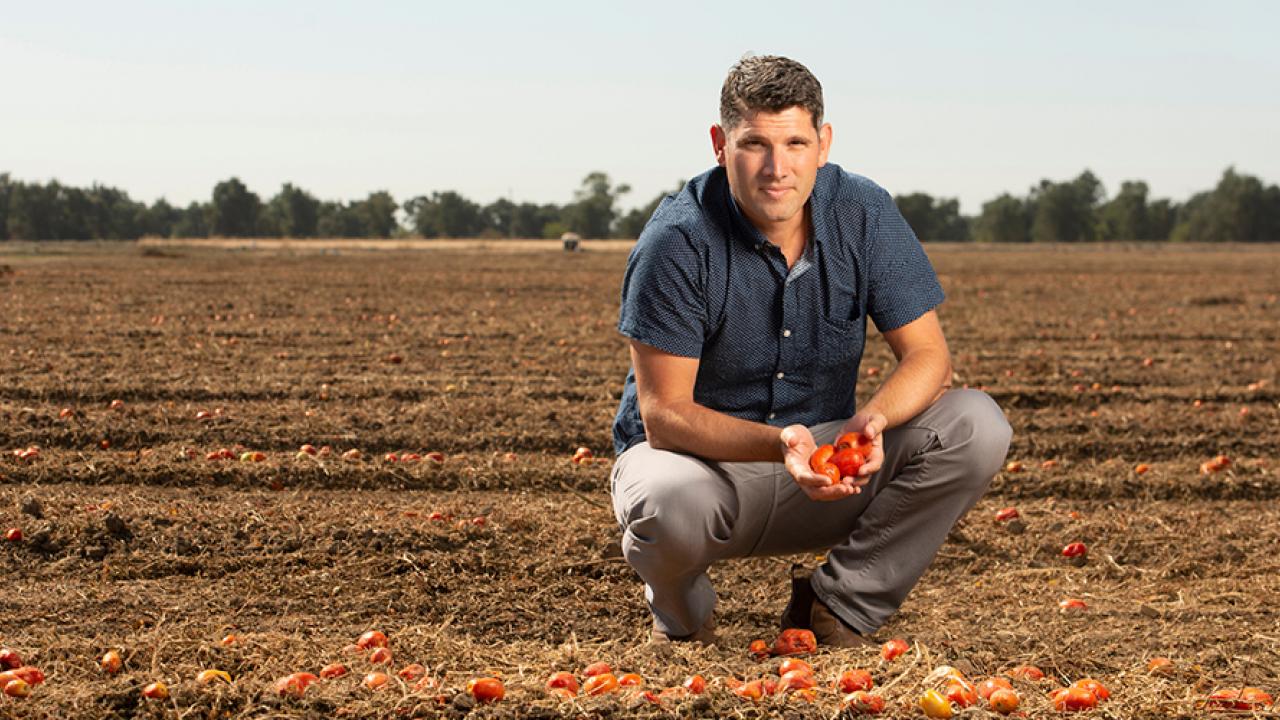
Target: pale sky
964	100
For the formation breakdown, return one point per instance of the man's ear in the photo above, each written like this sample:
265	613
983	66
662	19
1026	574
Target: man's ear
824	143
718	141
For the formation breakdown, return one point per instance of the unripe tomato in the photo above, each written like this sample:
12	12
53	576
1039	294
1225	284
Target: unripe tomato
935	705
486	689
893	649
1004	701
564	680
601	684
854	680
207	676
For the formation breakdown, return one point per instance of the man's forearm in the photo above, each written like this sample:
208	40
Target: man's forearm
694	429
917	382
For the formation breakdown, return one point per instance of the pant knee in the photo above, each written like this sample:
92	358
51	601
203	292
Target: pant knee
677	527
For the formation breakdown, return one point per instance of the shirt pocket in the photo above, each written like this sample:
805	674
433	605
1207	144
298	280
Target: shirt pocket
839	342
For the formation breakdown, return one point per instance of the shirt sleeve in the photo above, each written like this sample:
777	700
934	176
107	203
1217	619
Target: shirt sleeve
664	293
902	284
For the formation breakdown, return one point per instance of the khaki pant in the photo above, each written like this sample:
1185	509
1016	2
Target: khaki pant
680	514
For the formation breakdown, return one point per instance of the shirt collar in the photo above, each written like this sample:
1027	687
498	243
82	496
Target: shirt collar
750	235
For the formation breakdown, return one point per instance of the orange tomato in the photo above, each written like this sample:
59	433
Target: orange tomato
753	690
1027	672
1160	666
410	673
797	680
695	684
821	457
601	684
1004	701
375	680
111	662
854	680
1094	687
380	656
155	691
295	684
372	639
863	703
333	670
630	680
1072	699
992	684
893	649
207	676
486	689
961	693
758	649
790	664
17	687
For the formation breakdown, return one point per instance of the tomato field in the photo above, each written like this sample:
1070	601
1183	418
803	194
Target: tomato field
465	378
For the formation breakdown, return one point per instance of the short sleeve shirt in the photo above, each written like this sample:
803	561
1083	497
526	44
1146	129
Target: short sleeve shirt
776	345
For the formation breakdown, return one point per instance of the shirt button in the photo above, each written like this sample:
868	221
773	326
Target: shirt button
780	375
773	415
786	333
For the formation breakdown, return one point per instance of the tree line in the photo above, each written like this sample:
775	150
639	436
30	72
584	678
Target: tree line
1241	208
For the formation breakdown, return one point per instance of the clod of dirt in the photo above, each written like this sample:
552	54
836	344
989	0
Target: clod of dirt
612	550
42	541
463	702
117	527
94	552
1016	527
31	506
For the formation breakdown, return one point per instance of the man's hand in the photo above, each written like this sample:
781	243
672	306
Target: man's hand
797	446
869	425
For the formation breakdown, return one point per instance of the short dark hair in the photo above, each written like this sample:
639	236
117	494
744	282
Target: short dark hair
771	83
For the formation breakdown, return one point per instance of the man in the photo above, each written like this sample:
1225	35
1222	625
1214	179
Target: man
746	300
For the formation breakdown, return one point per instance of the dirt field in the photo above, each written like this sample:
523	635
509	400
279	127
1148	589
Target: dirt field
1103	358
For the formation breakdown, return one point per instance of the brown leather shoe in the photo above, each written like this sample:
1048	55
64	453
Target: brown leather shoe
705	635
796	615
831	631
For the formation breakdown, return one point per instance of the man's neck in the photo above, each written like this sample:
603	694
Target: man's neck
790	237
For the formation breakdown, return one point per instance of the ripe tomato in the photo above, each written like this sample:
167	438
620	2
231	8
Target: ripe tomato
295	684
790	664
758	649
333	670
893	649
13	534
380	656
753	690
863	703
9	659
486	689
111	662
849	461
935	705
1004	701
1073	699
1008	513
596	668
1027	672
695	684
1074	549
409	673
796	680
27	673
961	693
1093	686
376	680
564	680
857	443
854	680
601	684
630	680
1069	604
17	687
821	457
992	684
155	691
795	641
371	639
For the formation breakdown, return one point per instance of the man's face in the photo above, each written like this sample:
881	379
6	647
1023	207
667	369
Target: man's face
772	159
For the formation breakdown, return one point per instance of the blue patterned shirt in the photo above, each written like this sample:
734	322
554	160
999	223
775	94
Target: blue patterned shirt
776	345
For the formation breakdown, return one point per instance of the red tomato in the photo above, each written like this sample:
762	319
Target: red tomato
1008	513
992	684
795	641
333	670
753	690
410	673
961	693
848	460
1094	687
564	680
13	534
820	457
1074	549
695	684
1073	699
857	443
831	471
9	659
863	703
797	680
791	664
1068	604
1027	672
294	685
596	668
1004	701
630	680
854	680
601	684
32	675
758	649
372	639
486	689
893	648
380	656
17	687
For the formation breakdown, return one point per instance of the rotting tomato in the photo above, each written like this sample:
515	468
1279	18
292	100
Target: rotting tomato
333	670
961	693
1027	672
790	664
601	684
893	648
796	680
409	673
376	680
795	641
563	679
863	703
758	649
294	684
372	639
853	680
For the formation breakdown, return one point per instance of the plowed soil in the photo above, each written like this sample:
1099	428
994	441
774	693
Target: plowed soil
1102	357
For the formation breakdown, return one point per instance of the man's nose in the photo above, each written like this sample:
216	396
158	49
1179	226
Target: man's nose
775	164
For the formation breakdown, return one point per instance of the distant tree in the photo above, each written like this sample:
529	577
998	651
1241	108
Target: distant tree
377	214
31	212
6	188
339	220
445	214
235	210
1004	219
1066	212
1162	215
933	219
632	224
193	222
161	219
592	212
293	212
1124	217
1239	209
